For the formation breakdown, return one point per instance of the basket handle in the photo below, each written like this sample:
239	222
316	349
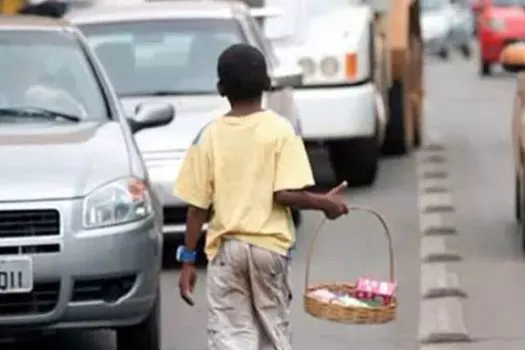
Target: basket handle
318	230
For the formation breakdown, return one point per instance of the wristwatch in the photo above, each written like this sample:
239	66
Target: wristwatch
184	255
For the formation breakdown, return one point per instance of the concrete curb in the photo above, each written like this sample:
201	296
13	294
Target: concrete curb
441	321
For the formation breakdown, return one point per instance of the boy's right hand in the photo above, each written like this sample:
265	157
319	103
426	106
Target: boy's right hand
335	205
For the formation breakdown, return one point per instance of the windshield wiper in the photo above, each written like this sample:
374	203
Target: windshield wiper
36	112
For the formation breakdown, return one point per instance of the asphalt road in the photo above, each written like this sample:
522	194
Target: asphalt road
471	117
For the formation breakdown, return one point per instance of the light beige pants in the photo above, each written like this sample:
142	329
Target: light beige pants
249	298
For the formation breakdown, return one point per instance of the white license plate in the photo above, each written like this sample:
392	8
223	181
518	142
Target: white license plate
16	275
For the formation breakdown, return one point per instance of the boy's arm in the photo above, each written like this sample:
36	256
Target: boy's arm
293	176
195	219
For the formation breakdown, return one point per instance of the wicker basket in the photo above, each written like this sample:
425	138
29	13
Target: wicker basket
348	314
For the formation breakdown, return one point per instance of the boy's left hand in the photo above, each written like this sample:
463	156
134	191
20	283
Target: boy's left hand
187	280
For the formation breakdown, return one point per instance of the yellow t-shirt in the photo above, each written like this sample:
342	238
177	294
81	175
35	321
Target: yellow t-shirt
235	165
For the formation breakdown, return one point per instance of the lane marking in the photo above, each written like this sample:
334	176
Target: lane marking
441	320
437	281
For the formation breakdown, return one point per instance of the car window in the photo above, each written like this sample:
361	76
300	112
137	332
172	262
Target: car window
48	70
163	56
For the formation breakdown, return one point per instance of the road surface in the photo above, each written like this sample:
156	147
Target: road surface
471	117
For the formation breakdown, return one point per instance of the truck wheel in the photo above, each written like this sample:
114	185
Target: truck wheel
522	224
485	68
517	199
297	217
142	336
355	161
395	142
417	137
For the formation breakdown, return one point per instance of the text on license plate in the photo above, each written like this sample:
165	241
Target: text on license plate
16	275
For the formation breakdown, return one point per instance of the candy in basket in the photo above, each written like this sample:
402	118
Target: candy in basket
366	302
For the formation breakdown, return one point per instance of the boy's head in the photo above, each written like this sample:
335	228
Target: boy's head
243	75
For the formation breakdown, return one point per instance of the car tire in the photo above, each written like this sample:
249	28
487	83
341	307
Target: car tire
297	217
517	199
522	214
465	50
444	54
355	161
485	68
417	137
395	142
144	335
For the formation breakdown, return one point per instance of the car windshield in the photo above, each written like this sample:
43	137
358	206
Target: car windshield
46	74
432	5
156	57
508	3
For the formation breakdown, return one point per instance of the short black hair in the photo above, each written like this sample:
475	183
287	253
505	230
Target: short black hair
242	72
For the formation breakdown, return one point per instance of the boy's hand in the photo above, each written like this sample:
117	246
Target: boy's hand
335	205
187	280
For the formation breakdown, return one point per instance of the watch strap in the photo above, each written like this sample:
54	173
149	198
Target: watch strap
184	255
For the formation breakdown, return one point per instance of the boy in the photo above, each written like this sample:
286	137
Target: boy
253	167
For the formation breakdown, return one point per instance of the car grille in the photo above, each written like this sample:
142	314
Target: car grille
29	223
41	300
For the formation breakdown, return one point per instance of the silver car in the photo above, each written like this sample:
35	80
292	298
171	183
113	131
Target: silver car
80	227
446	25
167	51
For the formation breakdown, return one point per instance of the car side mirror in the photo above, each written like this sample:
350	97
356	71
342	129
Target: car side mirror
150	115
512	58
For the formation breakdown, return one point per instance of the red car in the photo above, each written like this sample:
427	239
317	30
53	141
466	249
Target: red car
499	23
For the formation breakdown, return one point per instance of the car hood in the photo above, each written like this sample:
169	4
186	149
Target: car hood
192	113
50	161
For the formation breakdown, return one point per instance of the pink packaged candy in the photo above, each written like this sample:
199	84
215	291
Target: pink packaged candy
369	289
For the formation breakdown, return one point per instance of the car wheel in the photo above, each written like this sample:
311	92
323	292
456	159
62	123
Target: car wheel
355	161
142	336
297	217
444	54
465	50
522	214
485	68
517	199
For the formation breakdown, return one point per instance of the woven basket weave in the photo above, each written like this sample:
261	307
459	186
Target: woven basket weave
348	314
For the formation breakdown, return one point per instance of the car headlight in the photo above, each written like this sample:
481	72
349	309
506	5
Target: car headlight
308	66
496	24
122	201
329	66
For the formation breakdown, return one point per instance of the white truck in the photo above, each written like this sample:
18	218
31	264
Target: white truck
362	68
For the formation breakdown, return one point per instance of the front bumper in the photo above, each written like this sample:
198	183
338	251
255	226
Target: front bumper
98	278
334	112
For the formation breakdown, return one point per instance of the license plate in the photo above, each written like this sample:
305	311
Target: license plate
16	275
